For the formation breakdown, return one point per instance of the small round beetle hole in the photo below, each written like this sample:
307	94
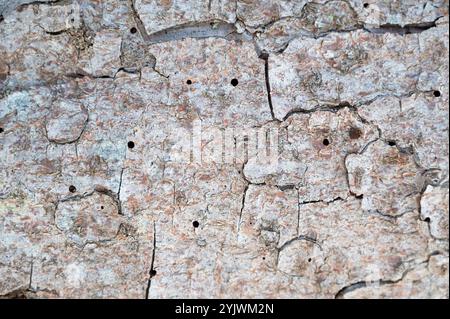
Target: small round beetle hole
326	142
133	30
130	144
72	189
391	143
1	130
152	273
437	93
195	224
234	82
188	82
365	5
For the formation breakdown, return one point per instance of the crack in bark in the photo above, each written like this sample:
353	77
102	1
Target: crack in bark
301	237
118	191
380	282
152	264
79	197
242	209
322	107
21	293
428	219
402	30
75	141
199	30
297	238
380	30
137	20
337	199
265	56
31	275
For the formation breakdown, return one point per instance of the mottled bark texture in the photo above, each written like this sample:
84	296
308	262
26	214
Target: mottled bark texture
99	101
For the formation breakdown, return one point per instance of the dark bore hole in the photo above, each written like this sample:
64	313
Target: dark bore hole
101	207
130	144
437	93
1	130
366	5
234	82
391	143
354	133
72	189
326	142
152	273
264	258
195	224
427	219
188	82
133	30
309	260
